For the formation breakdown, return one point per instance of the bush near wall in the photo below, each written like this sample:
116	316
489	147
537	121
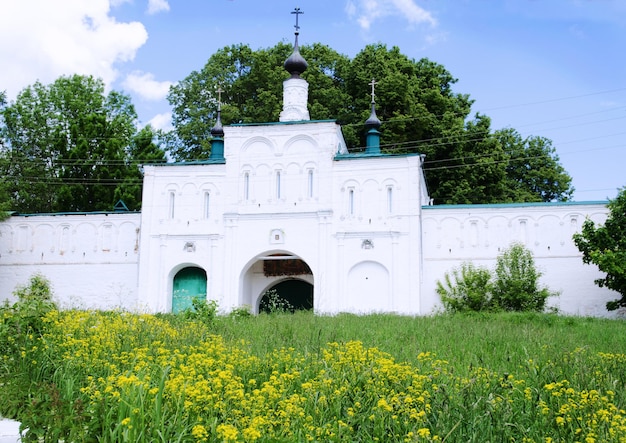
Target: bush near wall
513	286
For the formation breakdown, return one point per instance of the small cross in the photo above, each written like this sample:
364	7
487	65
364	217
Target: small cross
297	12
372	84
219	98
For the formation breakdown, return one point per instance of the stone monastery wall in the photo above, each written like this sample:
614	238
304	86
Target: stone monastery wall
479	233
90	259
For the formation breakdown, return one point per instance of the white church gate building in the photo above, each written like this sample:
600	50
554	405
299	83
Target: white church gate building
284	203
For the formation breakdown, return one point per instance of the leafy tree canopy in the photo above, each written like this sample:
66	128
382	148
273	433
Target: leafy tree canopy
69	146
466	162
5	204
605	246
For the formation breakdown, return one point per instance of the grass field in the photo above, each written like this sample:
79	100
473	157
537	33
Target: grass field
115	376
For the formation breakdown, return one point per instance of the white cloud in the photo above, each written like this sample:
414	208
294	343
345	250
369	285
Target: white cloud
39	40
162	121
366	12
155	6
144	84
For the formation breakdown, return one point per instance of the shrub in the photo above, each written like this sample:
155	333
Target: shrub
516	286
202	310
240	312
273	303
467	288
34	301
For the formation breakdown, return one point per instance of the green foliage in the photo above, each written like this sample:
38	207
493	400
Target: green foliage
533	171
144	149
21	326
273	303
252	84
71	146
202	310
34	302
115	376
605	246
516	285
465	161
467	288
240	312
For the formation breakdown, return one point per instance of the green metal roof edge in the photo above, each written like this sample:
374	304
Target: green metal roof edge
192	162
297	122
53	214
358	156
517	205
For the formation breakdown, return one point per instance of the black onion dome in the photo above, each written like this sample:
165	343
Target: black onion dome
373	120
218	129
296	64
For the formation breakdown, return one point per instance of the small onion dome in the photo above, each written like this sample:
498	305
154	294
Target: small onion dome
296	64
373	121
218	129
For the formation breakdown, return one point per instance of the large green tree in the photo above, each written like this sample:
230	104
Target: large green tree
605	246
68	147
144	149
251	83
4	194
466	162
533	170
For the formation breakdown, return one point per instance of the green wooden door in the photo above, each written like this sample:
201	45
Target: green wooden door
189	283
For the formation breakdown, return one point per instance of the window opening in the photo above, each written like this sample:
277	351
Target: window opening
246	186
310	183
171	205
351	201
207	202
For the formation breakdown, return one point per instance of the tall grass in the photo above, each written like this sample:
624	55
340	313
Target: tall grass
114	376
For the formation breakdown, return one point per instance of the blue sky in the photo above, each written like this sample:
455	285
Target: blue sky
552	68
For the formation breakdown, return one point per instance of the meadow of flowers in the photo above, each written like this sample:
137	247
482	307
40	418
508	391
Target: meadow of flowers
84	376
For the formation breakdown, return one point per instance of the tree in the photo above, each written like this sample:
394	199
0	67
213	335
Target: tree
468	167
466	162
144	149
5	204
533	171
605	246
251	82
67	146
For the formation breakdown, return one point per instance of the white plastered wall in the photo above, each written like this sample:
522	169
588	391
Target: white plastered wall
90	259
479	233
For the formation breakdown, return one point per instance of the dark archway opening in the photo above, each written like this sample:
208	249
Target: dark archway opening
288	296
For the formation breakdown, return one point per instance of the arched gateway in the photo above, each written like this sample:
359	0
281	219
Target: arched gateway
288	275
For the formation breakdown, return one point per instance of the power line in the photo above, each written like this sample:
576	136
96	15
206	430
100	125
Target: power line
541	102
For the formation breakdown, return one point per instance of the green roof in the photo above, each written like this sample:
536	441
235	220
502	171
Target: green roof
297	122
363	155
515	205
